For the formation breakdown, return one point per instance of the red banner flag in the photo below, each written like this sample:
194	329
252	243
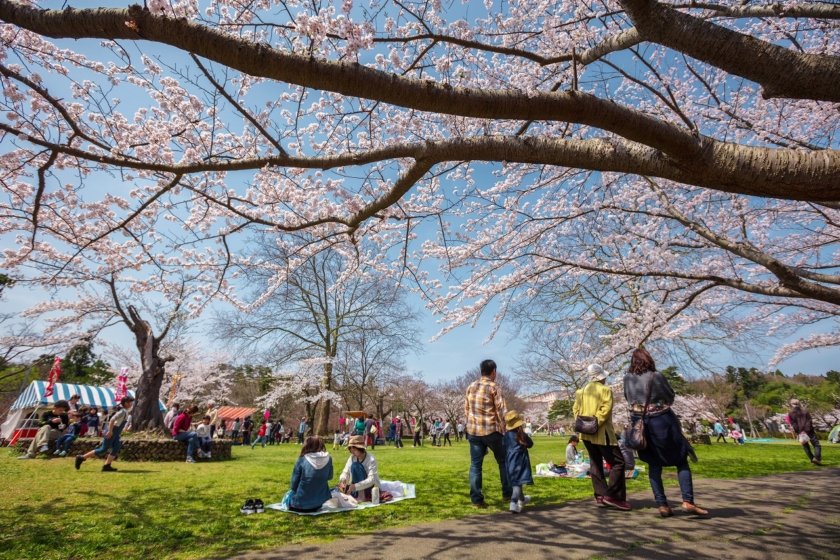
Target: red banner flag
55	373
122	385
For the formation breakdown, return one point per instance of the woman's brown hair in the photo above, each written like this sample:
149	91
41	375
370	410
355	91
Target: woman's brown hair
641	361
313	444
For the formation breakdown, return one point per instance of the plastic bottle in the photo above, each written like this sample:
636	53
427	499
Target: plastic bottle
374	495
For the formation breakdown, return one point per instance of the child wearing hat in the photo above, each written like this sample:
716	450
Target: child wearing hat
111	443
360	474
517	460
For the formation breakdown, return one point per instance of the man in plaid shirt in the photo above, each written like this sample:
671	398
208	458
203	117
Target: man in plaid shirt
485	411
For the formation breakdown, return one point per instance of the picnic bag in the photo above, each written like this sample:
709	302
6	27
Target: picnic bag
586	425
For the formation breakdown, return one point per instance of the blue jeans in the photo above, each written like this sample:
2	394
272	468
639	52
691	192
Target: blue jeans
478	448
684	477
64	442
111	443
190	438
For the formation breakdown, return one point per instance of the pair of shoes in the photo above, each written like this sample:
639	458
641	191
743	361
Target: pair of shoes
190	460
688	507
617	504
248	508
479	505
816	461
79	460
599	501
516	507
665	511
252	506
108	468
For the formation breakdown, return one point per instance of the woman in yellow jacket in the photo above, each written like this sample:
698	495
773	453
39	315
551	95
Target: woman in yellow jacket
595	399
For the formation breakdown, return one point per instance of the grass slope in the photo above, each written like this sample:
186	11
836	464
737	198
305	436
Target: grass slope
183	511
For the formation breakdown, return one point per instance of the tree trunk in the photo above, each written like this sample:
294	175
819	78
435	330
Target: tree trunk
322	407
146	414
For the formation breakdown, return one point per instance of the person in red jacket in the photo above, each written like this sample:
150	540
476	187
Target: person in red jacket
182	431
261	434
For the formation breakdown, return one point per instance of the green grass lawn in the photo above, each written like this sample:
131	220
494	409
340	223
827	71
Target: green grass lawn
178	510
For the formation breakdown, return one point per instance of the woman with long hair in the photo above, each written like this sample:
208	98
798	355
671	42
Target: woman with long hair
647	389
311	476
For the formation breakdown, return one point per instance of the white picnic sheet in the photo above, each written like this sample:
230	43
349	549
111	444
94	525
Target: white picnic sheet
408	493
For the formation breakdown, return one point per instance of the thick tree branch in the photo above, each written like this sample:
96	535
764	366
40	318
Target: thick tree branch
780	71
259	59
778	173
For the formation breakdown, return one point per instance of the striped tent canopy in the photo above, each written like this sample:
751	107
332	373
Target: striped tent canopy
91	395
234	412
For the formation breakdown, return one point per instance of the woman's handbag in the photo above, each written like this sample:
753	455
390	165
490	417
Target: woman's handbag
634	434
586	425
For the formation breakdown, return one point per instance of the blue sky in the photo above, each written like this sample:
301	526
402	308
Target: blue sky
462	349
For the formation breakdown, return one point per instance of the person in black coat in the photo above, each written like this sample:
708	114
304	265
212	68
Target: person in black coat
666	444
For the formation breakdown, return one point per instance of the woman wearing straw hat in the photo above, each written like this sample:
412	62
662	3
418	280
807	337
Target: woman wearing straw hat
517	461
360	474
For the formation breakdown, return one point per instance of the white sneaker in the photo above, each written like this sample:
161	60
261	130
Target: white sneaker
525	501
516	507
190	460
202	454
44	448
209	455
57	452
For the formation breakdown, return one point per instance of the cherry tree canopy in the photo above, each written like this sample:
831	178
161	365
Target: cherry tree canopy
648	170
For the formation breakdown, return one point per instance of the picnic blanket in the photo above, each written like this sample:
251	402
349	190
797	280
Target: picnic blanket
576	470
400	490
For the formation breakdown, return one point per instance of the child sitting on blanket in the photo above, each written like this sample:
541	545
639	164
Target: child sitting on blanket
360	474
311	476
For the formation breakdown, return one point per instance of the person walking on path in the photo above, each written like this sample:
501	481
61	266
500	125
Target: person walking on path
111	432
719	431
666	444
803	427
484	408
596	399
517	461
182	431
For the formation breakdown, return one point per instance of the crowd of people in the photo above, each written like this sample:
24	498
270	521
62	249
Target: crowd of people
487	426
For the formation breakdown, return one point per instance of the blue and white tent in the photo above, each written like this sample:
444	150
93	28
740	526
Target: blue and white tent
33	397
101	397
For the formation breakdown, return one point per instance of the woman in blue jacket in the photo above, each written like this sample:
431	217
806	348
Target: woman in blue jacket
311	476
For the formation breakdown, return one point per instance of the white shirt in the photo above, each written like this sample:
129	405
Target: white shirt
369	463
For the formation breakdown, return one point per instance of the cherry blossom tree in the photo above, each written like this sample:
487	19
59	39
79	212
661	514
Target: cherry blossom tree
674	166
